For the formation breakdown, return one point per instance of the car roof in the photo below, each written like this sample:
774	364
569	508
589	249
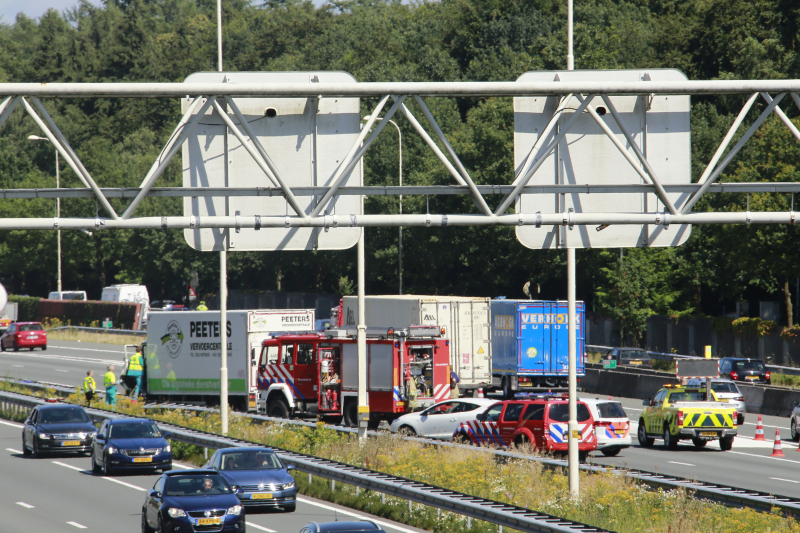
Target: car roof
50	406
247	449
192	472
362	525
25	323
595	401
129	421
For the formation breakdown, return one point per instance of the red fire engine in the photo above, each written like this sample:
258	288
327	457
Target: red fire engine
316	374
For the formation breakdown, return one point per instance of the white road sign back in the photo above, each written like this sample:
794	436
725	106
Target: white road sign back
306	139
659	126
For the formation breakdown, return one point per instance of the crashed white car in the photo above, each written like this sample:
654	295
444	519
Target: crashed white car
441	420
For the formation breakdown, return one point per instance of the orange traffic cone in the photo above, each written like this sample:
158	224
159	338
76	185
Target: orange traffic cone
776	450
480	393
609	396
759	430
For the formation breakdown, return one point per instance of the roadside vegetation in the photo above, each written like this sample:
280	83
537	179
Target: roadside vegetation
77	335
607	500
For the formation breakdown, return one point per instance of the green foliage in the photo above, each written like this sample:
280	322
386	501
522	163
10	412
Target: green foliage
752	327
27	309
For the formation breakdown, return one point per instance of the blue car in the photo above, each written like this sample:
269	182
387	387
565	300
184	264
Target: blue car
192	500
258	477
58	428
130	444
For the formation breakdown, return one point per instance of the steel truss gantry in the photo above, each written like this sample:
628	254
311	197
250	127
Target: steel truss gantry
207	96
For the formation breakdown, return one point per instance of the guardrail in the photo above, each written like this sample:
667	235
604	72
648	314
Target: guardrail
731	496
495	512
102	330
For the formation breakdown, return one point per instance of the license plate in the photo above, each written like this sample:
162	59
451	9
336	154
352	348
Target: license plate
708	433
142	459
71	443
751	377
208	521
252	403
526	384
619	431
33	336
261	496
636	362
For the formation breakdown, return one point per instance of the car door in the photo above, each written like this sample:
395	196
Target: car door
99	443
305	370
509	421
654	419
440	421
29	431
464	412
154	498
211	461
534	420
9	336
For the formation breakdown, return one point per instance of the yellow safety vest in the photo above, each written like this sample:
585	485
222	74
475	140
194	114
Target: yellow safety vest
136	362
201	307
109	380
88	384
152	362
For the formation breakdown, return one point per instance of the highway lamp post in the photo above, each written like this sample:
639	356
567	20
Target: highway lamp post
400	228
58	205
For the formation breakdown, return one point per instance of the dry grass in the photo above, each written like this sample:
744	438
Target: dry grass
100	338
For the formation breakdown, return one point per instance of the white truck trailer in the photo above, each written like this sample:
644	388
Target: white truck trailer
466	322
182	353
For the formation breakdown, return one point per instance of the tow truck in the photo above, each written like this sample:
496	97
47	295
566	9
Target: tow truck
316	373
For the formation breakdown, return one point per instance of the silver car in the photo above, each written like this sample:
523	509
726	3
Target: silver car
725	391
441	420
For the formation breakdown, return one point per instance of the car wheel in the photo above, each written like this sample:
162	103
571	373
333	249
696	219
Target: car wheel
462	439
508	394
2	346
407	431
145	526
35	449
522	441
699	443
644	440
726	443
25	450
290	508
107	470
582	456
278	409
14	346
794	429
44	348
95	467
670	442
611	452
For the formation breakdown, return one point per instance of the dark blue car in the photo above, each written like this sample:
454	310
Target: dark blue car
57	428
192	500
130	444
258	477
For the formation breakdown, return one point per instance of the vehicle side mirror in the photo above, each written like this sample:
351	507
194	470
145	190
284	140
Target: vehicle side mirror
167	434
289	467
99	437
647	402
481	417
156	494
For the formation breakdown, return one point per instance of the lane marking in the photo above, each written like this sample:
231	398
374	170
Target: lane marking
19	366
261	528
52	347
59	463
12	450
25	505
59	370
787	480
762	425
73	359
76	525
12	424
764	457
184	466
356	515
677	463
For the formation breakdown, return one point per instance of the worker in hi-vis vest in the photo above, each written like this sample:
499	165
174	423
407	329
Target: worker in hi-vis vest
135	369
110	383
89	387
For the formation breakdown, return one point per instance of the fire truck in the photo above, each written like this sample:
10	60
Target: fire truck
316	374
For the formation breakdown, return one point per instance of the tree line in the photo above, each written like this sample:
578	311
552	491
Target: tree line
386	40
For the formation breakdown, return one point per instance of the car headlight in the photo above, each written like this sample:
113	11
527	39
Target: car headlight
168	448
111	450
287	486
44	436
176	513
236	510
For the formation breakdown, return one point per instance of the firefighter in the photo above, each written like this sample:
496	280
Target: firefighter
89	387
202	306
135	369
110	383
454	381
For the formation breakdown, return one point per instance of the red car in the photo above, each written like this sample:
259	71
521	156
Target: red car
24	335
542	423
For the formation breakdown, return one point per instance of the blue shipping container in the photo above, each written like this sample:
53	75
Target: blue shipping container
530	338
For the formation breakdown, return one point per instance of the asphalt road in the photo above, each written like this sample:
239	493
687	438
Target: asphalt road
748	465
59	493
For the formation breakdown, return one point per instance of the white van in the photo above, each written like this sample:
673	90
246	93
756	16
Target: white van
67	295
129	293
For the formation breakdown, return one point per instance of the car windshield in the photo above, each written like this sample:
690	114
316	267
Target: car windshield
749	365
72	296
195	485
254	460
721	386
634	354
611	410
30	327
687	396
134	431
559	412
62	416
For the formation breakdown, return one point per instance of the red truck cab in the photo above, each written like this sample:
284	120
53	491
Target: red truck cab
541	423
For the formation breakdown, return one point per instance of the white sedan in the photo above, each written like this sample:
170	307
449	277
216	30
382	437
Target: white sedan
440	420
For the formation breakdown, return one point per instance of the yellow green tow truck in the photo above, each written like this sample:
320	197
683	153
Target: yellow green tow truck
680	412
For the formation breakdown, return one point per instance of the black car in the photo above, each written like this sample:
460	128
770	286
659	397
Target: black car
131	444
635	357
341	527
258	477
57	427
742	369
192	500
